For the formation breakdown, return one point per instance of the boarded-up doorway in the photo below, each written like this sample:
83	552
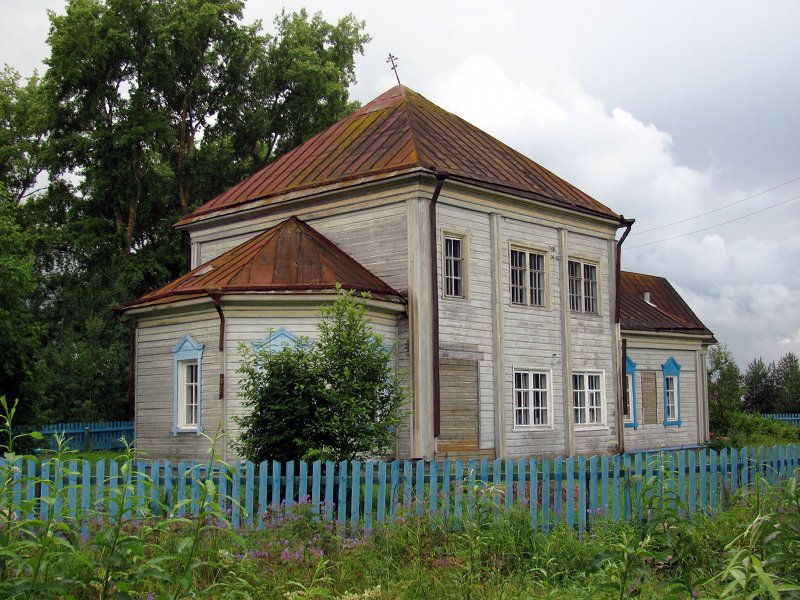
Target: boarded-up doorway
458	433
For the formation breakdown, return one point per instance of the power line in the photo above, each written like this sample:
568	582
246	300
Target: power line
718	224
713	210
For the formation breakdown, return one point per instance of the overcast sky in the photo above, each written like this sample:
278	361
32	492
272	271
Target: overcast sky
662	111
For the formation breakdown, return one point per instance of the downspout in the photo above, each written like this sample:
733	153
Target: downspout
119	312
623	381
216	299
440	177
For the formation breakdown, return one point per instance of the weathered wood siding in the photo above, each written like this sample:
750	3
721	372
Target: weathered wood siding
532	338
651	432
155	382
593	339
372	229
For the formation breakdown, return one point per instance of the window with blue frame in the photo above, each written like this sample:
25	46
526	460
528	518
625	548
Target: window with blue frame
187	356
672	393
276	341
631	417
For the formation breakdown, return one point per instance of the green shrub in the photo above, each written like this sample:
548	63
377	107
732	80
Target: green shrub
754	430
336	399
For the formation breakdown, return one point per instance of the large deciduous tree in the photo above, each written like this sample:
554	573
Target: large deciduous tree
147	109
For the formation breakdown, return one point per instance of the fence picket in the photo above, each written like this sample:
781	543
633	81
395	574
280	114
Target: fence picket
545	495
395	495
533	493
263	474
558	510
369	468
342	515
581	494
316	477
381	492
288	494
712	481
355	492
570	488
459	493
433	488
330	466
419	492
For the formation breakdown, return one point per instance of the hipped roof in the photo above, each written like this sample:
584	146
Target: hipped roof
398	132
668	312
290	257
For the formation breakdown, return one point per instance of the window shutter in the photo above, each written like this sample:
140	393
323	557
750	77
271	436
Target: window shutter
649	398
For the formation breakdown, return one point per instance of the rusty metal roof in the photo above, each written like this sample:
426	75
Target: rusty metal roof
397	132
290	257
666	312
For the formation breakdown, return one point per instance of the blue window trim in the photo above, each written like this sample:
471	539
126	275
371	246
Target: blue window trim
630	369
187	350
276	340
671	368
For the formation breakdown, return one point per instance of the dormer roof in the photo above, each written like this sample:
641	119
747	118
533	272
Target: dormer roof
401	131
291	257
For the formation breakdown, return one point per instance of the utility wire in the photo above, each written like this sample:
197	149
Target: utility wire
717	225
713	210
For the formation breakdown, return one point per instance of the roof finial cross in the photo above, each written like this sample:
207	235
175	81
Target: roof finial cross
391	59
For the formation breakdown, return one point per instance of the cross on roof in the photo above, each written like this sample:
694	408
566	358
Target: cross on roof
391	59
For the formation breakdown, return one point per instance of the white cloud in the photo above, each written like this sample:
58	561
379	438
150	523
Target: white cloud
743	282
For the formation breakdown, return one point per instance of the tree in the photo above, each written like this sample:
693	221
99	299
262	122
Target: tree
23	133
761	395
787	381
336	399
724	388
147	109
19	335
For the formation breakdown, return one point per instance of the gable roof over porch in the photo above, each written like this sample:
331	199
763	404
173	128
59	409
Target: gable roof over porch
291	257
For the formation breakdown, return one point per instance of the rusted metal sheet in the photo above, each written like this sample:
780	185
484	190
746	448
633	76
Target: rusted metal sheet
290	257
667	311
397	131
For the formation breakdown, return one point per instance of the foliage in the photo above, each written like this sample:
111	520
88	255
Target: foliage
724	388
280	391
761	394
787	380
755	430
19	333
147	109
336	399
23	129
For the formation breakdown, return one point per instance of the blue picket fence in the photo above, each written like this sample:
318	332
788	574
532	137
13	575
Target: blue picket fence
88	436
574	491
793	418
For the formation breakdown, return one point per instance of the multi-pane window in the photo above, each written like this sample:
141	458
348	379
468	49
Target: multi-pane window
582	287
530	398
672	392
671	397
187	407
453	267
587	398
191	396
527	278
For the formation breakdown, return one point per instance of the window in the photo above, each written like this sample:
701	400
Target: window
582	287
527	278
531	399
672	393
453	267
276	341
187	402
631	417
587	398
189	407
